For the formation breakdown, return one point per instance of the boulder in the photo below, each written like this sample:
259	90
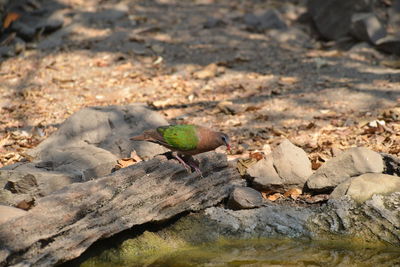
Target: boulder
351	163
108	128
292	164
286	167
8	213
271	19
363	187
244	198
264	175
332	18
389	44
367	27
86	146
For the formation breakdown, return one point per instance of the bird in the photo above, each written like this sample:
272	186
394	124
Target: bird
186	140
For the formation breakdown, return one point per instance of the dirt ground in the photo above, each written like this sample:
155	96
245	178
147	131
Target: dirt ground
196	62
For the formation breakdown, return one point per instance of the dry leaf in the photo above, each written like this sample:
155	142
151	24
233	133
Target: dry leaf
243	164
294	193
317	198
274	197
26	204
256	155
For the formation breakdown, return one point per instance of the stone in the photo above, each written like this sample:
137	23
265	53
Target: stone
363	187
291	164
351	163
51	23
367	27
391	163
8	213
109	15
264	175
86	146
23	30
271	19
244	198
332	18
213	23
108	128
389	44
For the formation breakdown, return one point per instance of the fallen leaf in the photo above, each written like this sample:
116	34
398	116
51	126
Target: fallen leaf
256	155
274	197
243	164
26	204
294	193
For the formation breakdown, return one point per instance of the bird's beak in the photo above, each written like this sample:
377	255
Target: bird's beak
228	147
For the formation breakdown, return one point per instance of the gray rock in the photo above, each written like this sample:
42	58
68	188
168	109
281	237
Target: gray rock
27	182
271	19
392	164
363	187
8	213
353	162
86	146
394	15
389	44
332	18
108	128
213	23
291	164
81	161
244	198
23	30
264	175
367	27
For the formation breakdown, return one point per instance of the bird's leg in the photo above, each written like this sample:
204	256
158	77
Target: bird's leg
193	163
187	167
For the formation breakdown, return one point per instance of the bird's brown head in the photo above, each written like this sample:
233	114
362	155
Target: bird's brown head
224	140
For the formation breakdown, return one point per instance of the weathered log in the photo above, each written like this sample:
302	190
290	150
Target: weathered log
65	223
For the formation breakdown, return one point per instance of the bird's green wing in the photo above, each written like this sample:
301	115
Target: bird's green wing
180	137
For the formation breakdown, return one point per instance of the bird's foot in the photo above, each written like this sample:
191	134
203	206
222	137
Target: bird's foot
187	167
194	164
189	163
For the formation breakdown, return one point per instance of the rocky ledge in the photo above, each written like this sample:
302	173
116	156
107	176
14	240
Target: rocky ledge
71	193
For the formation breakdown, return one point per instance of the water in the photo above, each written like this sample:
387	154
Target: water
254	253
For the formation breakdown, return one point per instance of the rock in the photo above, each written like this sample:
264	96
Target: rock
26	182
109	15
213	23
394	16
244	198
8	213
86	146
108	128
391	163
389	44
26	32
353	162
363	187
83	161
51	23
332	18
264	175
6	51
292	164
271	19
367	27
